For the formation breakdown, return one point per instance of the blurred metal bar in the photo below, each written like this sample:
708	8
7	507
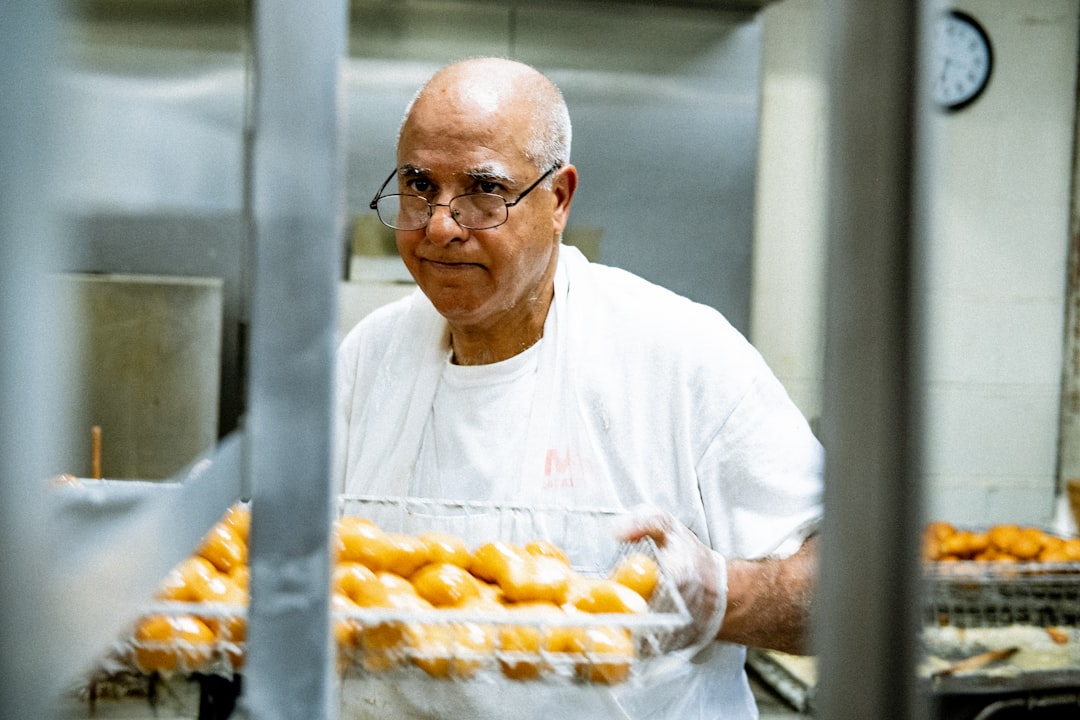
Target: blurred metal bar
1068	460
77	560
28	250
866	634
297	200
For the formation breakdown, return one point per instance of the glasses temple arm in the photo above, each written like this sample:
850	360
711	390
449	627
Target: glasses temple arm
532	187
375	200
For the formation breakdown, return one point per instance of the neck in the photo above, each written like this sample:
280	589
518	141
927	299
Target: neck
484	345
479	349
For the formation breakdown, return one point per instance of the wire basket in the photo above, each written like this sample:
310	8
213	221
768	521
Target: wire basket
460	644
991	594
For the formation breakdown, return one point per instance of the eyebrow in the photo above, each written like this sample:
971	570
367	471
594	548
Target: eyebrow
412	171
492	173
489	173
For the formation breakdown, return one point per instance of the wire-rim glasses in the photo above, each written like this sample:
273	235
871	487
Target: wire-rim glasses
473	211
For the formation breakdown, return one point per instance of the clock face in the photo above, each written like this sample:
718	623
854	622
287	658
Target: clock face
962	60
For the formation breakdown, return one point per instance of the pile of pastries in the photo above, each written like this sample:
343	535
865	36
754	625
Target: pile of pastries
520	608
217	573
1003	542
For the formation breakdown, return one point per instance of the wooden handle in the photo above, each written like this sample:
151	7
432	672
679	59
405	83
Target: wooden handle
977	661
95	452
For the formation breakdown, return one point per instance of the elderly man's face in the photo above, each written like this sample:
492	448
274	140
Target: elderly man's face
478	279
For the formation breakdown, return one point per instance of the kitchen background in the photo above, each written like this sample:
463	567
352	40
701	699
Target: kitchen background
701	134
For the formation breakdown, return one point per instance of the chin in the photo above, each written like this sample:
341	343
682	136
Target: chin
453	309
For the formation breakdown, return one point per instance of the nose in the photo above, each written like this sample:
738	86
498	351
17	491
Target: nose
442	228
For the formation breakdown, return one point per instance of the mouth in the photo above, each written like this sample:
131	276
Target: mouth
450	264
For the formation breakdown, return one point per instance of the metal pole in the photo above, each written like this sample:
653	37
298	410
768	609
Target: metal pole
1068	461
28	251
296	195
77	560
866	632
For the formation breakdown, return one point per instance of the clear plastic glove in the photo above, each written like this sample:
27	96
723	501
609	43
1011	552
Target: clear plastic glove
699	573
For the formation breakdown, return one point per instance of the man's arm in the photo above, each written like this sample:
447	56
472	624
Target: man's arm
769	601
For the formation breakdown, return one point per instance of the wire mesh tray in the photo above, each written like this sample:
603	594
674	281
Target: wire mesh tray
974	594
458	644
518	644
181	638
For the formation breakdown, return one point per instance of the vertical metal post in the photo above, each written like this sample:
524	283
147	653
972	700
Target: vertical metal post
296	200
1068	461
28	250
867	609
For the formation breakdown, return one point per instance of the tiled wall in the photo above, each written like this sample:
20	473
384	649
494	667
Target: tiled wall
997	255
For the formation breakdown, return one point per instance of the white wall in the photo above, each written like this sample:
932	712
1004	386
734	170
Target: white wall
998	243
787	298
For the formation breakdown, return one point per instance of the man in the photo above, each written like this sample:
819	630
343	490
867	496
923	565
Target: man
522	373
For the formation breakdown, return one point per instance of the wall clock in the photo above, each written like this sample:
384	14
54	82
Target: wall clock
962	60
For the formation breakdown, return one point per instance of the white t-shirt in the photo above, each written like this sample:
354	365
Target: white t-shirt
638	396
474	437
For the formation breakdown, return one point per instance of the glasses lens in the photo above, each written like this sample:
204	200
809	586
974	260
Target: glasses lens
403	212
479	211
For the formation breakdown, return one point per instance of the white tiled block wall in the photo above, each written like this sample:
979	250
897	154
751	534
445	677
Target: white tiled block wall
787	302
975	340
977	502
992	398
996	275
991	431
995	284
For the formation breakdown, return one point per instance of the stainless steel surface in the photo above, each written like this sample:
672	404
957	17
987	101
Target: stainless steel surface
790	680
234	6
147	371
154	106
772	705
296	193
991	684
28	250
868	594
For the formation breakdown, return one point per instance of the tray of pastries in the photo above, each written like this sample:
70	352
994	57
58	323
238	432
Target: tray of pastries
999	576
454	591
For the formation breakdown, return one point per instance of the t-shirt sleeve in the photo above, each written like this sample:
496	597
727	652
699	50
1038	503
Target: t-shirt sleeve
761	476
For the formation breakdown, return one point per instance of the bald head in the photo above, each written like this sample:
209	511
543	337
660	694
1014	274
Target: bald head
498	91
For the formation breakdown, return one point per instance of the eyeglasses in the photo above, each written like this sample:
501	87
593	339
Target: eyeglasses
474	211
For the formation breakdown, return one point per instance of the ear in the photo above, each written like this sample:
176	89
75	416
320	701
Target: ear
563	187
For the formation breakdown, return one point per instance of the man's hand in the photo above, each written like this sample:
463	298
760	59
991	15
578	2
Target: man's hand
699	573
760	603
